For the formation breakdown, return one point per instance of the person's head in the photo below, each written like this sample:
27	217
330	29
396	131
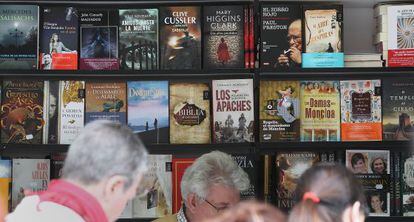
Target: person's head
376	203
108	161
358	163
54	38
222	39
250	211
295	34
52	105
211	185
379	166
329	193
404	120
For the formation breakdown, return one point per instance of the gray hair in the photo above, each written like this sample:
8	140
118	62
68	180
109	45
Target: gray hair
104	149
213	168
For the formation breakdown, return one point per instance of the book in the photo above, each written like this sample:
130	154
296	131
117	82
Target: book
361	57
98	39
5	185
148	109
59	38
189	113
105	100
400	35
289	167
372	168
179	165
31	175
248	164
279	113
156	201
127	212
378	63
320	111
22	112
51	112
223	34
72	110
138	39
233	111
180	42
407	184
281	36
57	162
398	109
19	25
361	110
323	36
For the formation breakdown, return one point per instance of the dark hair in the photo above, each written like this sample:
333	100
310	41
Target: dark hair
335	186
381	197
356	157
383	162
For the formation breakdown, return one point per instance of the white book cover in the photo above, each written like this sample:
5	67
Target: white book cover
30	175
401	27
233	111
127	213
156	200
72	110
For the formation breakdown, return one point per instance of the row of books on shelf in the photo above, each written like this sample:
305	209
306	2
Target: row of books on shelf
167	38
387	177
194	37
220	111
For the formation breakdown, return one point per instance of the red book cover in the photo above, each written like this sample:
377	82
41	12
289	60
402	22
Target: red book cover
251	36
178	169
246	37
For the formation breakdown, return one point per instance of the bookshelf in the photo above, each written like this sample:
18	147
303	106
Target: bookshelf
359	28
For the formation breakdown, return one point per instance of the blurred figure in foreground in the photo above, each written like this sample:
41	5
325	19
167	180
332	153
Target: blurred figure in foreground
209	186
102	171
329	193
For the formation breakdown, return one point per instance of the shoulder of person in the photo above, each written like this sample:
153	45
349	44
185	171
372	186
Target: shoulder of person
168	218
31	209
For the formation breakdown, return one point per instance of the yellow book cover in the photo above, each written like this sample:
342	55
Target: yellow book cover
5	182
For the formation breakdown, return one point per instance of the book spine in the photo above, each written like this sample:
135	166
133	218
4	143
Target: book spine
251	36
397	184
246	37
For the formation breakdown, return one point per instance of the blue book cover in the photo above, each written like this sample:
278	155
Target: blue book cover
148	110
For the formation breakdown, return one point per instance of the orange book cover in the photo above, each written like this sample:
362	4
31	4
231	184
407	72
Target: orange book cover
5	182
178	169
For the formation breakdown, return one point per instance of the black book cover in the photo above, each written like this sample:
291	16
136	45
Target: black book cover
248	164
223	36
281	36
180	37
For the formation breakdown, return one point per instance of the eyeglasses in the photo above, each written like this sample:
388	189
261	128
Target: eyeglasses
218	209
294	38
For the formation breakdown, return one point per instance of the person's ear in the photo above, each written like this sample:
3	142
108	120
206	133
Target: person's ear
114	186
192	202
356	215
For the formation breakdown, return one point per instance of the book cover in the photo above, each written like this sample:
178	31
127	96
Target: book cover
72	110
248	164
148	110
372	168
22	112
398	109
5	185
57	161
281	36
105	100
289	167
59	41
98	39
233	111
407	184
179	165
279	112
320	111
180	42
51	112
361	110
19	25
31	175
400	35
323	36
189	113
157	200
138	39
223	34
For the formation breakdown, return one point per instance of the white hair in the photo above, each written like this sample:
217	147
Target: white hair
213	168
104	149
